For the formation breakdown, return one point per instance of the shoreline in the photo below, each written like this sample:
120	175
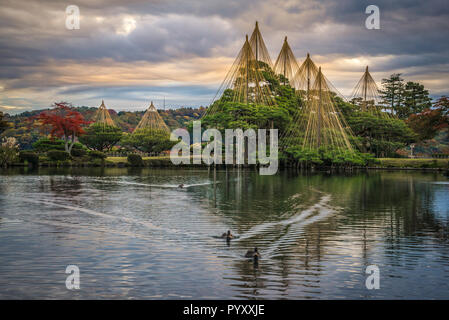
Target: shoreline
393	164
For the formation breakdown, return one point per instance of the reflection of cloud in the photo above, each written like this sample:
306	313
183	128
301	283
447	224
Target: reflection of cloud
181	44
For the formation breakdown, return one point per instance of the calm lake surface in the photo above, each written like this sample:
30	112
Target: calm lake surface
135	235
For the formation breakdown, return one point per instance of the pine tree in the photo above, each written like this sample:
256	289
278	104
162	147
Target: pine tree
416	99
392	93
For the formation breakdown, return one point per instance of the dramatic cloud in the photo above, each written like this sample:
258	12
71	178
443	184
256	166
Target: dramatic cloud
130	52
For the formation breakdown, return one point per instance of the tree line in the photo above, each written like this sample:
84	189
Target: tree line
416	118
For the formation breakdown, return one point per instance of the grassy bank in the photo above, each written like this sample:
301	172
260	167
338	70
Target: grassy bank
405	163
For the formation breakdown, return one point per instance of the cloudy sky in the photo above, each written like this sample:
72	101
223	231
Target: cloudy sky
130	52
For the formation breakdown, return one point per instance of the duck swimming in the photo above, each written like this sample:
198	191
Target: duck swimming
228	235
256	259
253	254
181	186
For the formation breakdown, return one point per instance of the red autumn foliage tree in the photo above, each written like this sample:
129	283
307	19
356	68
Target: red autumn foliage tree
63	123
427	123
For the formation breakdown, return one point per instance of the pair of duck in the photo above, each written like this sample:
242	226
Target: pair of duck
254	254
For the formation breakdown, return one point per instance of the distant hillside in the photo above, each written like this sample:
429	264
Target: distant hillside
26	134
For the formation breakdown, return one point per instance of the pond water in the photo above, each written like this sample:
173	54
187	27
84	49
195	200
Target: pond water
135	235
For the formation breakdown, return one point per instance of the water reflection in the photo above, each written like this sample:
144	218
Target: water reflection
136	234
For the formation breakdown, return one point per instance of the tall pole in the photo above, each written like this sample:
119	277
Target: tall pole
308	76
256	98
257	41
319	108
365	85
247	70
285	60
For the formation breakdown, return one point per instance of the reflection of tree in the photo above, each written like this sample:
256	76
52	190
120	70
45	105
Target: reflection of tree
3	190
252	280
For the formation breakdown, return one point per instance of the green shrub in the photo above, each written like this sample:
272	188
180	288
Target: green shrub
57	155
148	140
78	152
29	156
101	137
45	144
369	159
135	160
330	157
305	156
97	154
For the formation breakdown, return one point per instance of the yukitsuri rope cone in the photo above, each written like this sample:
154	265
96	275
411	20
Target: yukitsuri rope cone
258	46
366	95
245	82
320	124
286	64
152	121
103	117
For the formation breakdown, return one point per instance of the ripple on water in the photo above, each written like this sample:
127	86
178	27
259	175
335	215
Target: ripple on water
140	236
